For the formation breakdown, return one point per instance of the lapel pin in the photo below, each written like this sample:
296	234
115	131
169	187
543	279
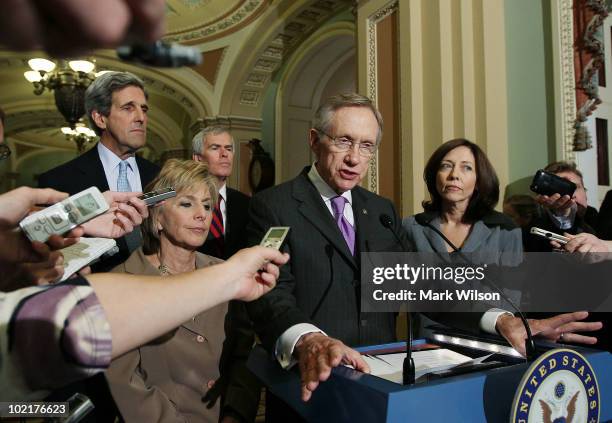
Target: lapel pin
364	211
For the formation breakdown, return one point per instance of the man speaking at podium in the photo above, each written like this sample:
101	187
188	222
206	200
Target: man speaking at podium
314	311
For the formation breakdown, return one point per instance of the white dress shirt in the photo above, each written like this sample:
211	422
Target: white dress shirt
110	163
223	205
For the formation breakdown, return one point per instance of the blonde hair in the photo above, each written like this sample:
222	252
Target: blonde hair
182	175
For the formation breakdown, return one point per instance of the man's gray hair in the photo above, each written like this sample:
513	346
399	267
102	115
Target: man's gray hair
197	143
325	112
99	95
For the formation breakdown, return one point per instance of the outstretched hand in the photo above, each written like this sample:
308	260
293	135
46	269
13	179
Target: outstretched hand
317	354
559	328
255	271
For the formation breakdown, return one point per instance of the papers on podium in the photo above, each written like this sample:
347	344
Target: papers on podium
389	366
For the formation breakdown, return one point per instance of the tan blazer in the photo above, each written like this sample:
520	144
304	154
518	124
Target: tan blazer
164	381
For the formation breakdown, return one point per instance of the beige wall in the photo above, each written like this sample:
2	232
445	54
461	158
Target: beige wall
452	82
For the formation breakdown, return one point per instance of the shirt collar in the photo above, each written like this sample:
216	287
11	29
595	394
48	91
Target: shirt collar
223	192
110	160
324	189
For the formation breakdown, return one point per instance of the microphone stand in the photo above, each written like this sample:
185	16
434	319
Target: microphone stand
408	369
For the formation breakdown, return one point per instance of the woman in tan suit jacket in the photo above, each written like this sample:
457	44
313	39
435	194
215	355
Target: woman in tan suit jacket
165	380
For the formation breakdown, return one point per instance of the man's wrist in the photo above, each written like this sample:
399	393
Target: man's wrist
503	321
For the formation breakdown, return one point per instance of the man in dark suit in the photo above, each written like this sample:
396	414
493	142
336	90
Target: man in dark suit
314	311
116	106
332	220
214	145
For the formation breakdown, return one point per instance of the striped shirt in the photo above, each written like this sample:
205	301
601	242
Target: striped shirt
50	336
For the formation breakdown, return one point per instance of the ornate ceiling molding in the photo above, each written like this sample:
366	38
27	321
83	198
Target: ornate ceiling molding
233	20
278	44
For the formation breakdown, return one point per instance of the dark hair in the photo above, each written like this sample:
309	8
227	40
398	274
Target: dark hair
2	115
560	167
486	192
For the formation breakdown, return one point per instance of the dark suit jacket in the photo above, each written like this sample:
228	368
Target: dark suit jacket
237	206
86	171
320	284
241	392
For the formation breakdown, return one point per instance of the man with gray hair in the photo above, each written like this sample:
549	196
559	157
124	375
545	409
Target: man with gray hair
214	145
116	107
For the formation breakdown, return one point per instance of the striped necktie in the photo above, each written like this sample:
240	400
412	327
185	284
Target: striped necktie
134	238
348	232
123	184
217	229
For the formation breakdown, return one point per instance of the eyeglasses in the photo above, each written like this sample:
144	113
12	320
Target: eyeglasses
366	148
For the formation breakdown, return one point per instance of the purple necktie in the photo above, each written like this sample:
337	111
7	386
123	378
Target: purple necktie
348	232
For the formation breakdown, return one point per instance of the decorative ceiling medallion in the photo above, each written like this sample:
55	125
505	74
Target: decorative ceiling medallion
197	25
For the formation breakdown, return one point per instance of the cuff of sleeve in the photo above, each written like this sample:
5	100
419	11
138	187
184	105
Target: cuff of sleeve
286	343
489	319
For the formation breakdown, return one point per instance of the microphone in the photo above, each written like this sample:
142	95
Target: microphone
530	349
408	369
161	54
329	252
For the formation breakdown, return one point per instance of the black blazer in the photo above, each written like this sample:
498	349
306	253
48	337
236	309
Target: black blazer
237	206
320	284
239	386
86	171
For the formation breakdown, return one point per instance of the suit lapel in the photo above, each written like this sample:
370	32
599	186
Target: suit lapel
230	211
479	233
312	207
91	166
146	170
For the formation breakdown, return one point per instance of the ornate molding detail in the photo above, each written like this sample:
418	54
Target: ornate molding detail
33	119
249	98
284	43
257	80
372	75
229	23
568	86
231	122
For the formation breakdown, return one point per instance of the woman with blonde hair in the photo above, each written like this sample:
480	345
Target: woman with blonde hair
165	380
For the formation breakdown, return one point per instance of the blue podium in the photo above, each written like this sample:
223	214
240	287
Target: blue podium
351	396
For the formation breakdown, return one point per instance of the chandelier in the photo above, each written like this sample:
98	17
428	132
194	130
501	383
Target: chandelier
81	135
68	81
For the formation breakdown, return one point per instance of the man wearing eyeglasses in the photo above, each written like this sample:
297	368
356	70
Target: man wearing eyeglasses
314	312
